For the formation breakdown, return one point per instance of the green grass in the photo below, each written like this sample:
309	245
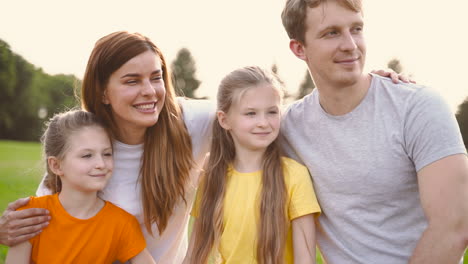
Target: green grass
21	171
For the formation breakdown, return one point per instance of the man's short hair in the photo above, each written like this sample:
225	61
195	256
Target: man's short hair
295	12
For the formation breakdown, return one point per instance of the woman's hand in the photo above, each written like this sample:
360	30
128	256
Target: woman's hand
394	76
19	226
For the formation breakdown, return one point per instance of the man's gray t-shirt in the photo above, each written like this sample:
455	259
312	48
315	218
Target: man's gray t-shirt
364	166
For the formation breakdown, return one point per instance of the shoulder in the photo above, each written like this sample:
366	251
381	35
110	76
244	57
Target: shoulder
406	91
194	109
294	171
39	202
116	211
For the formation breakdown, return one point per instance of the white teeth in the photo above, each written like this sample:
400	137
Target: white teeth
145	106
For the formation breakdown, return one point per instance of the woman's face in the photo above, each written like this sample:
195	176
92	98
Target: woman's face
135	93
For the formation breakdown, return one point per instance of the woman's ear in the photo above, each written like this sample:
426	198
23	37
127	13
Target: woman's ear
223	120
54	165
105	100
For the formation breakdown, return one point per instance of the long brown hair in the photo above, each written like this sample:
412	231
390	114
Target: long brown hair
273	224
55	140
167	156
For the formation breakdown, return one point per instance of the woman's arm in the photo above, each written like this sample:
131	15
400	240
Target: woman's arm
144	257
19	226
19	254
303	232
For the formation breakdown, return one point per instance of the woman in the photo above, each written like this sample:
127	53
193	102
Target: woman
156	136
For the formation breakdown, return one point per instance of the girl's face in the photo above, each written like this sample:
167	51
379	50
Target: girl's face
87	164
254	120
135	93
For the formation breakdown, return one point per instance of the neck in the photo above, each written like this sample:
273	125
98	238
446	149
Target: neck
80	205
340	100
248	160
131	136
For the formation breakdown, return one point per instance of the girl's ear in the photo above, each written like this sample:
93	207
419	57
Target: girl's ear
105	100
223	120
54	165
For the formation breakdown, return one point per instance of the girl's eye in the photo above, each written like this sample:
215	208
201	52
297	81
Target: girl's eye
108	154
250	113
156	78
273	112
86	156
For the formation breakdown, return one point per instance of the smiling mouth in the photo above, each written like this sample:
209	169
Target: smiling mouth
145	107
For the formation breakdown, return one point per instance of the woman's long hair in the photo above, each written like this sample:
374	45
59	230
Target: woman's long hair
167	156
273	224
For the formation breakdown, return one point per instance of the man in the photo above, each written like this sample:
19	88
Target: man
388	161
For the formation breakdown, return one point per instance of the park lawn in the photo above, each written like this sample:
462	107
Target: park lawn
21	171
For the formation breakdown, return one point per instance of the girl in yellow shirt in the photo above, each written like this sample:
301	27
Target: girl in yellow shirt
253	205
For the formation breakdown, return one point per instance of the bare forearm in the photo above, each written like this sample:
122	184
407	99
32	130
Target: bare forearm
439	246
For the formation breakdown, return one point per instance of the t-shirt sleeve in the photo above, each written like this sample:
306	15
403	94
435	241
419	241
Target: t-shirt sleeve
301	191
196	203
132	241
33	203
431	130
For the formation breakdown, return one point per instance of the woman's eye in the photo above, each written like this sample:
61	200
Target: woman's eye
131	82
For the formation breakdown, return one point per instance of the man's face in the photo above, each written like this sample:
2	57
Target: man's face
334	47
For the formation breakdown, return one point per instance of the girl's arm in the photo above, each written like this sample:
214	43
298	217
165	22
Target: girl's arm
303	232
144	257
19	254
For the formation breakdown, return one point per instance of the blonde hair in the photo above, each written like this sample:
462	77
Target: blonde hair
167	155
273	224
295	12
55	140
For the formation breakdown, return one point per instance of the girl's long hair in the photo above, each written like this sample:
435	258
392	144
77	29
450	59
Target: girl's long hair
167	156
273	224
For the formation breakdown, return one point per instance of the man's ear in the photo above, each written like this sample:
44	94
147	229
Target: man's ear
297	48
222	119
54	165
105	100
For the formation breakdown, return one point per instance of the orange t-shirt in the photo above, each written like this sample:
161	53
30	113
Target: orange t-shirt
112	234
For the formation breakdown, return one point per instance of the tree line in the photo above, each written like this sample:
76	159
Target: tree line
28	96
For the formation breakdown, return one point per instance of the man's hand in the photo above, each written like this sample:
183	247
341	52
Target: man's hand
19	226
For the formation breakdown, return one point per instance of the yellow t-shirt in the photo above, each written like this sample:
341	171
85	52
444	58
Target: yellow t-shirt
241	212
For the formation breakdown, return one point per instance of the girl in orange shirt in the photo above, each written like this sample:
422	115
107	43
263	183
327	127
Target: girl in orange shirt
83	228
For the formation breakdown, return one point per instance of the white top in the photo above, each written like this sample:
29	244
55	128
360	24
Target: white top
123	188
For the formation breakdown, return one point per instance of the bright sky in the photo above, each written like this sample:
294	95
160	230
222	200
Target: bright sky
427	36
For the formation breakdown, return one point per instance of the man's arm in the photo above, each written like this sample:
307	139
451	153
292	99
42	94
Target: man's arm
19	226
443	187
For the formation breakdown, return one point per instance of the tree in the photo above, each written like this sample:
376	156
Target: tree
306	87
462	119
28	96
183	74
395	65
